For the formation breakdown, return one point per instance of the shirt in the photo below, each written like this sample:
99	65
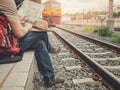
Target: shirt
8	7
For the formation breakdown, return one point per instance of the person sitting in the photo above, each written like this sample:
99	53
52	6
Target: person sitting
38	41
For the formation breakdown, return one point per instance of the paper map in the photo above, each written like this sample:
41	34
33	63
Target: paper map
31	10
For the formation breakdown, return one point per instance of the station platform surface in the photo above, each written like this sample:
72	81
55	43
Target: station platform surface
19	75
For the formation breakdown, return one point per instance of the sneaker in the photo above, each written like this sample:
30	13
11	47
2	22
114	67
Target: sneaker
55	49
57	80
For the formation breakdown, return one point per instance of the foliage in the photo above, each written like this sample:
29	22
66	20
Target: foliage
70	26
119	14
116	37
88	29
73	27
105	31
116	14
66	25
85	15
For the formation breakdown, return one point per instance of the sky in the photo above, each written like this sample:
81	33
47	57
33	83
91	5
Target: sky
71	6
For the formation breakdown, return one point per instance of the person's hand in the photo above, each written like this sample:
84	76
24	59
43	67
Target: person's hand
22	19
28	25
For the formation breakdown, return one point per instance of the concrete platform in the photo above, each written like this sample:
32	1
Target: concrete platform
20	75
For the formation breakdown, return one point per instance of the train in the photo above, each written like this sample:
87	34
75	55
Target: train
52	12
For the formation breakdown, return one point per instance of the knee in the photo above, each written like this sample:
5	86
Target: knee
40	43
40	46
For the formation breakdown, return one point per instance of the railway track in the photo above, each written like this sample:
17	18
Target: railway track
85	65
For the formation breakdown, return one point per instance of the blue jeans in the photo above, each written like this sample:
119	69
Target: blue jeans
38	41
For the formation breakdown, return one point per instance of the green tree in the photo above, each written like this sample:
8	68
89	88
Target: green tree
118	13
115	14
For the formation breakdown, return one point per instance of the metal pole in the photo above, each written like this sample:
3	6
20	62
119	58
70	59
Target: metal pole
110	21
110	9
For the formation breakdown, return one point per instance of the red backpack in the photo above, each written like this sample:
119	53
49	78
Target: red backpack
9	50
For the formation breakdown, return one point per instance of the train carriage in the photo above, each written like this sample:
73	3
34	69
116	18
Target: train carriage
52	12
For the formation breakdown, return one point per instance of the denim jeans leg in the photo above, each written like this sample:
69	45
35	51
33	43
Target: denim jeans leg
44	36
44	62
33	41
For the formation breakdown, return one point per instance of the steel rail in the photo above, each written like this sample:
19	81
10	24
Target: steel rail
111	79
96	41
